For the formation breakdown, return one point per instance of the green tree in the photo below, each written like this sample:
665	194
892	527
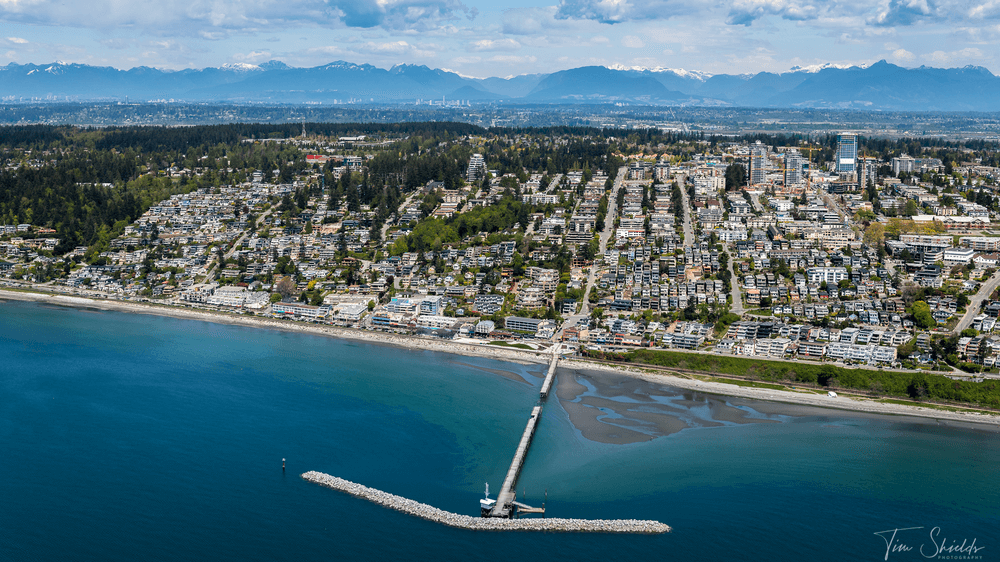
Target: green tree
736	176
875	235
922	315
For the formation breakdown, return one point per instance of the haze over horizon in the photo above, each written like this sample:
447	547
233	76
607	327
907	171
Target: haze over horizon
482	39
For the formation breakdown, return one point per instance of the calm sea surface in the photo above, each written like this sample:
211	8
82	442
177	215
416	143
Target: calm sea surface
133	437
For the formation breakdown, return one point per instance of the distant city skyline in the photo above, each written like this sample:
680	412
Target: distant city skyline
480	39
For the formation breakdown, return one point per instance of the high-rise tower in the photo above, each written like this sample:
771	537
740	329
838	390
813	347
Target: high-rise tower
793	168
847	152
758	160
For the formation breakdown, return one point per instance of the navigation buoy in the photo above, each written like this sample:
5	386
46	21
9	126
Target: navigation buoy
282	465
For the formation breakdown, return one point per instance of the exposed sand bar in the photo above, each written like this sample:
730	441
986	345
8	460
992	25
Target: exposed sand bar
805	398
424	511
510	354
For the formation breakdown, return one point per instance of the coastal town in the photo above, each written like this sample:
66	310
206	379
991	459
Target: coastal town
729	247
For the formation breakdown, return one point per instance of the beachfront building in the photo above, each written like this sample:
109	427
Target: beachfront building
298	310
519	324
537	326
434	322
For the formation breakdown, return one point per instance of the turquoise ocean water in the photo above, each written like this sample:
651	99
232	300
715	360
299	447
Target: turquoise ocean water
133	437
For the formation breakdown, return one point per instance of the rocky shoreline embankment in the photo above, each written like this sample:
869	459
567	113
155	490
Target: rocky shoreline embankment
436	515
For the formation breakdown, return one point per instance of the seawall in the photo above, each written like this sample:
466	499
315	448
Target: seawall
436	515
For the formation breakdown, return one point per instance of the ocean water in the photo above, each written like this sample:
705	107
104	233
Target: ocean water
134	437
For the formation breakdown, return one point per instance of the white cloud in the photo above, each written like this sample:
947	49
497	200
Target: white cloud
618	11
903	12
744	12
494	45
17	40
252	57
984	10
514	59
949	58
209	18
902	55
632	42
532	21
392	47
325	50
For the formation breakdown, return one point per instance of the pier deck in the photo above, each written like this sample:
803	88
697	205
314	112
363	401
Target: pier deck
505	499
547	383
507	495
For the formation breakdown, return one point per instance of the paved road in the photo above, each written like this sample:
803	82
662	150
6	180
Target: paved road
734	282
400	210
976	302
236	245
688	227
832	204
604	237
755	201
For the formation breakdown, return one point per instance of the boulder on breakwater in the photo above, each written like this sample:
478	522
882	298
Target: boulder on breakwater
431	513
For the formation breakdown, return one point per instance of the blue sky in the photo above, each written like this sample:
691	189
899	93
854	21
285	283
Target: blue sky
487	38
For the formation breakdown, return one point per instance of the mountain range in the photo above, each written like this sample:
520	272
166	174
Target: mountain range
880	86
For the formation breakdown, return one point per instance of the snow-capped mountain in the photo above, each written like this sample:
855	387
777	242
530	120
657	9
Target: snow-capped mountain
877	86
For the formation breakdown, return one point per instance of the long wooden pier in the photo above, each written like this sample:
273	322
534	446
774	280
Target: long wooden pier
505	499
506	505
547	383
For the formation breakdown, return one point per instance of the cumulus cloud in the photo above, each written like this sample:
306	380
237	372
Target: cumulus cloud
903	12
902	55
213	19
618	11
252	57
514	59
494	45
531	21
399	14
990	9
632	42
390	47
951	57
17	40
325	50
744	12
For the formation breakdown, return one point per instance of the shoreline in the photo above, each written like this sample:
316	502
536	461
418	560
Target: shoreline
524	357
514	355
841	403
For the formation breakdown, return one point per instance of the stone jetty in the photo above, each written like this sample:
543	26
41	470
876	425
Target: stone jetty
430	513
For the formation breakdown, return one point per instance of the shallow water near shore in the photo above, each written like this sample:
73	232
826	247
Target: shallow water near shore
143	437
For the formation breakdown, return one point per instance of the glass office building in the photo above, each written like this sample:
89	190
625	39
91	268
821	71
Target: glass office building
847	152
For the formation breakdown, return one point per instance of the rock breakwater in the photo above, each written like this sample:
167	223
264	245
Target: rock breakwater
431	513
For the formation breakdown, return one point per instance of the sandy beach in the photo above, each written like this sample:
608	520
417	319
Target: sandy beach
409	342
792	402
